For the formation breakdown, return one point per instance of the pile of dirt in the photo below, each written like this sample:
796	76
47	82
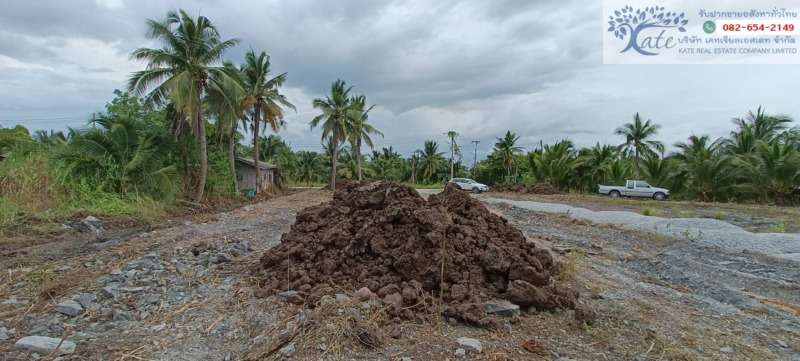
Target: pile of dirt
412	253
540	188
341	183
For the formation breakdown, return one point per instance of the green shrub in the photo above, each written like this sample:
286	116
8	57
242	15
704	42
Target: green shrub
220	179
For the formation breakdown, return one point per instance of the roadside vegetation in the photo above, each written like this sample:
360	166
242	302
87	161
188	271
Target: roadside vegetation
173	135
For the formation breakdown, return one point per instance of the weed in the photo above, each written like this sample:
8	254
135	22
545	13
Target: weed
718	214
778	228
569	266
8	212
649	211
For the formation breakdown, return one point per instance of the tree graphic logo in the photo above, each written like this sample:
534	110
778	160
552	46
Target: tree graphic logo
630	23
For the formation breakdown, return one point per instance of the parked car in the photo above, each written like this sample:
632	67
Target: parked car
469	185
634	188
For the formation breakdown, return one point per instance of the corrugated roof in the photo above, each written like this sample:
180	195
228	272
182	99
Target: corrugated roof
261	164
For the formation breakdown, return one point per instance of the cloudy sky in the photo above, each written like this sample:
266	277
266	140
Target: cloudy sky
477	67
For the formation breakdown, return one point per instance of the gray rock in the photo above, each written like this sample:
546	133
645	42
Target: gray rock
342	298
181	267
86	299
405	359
45	345
781	343
120	315
92	224
69	308
5	334
152	299
501	308
461	353
287	351
727	349
110	291
470	344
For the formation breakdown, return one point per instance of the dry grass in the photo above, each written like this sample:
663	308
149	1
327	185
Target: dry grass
344	326
569	266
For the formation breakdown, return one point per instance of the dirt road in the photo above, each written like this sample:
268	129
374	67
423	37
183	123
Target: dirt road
184	292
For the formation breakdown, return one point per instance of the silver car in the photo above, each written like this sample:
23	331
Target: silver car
469	185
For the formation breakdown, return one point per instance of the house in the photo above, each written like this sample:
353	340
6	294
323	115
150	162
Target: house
246	175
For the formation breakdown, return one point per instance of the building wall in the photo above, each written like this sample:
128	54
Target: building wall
246	176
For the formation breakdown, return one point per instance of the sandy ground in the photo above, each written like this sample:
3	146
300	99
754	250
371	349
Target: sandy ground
184	292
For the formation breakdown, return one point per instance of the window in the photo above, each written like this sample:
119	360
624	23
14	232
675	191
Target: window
642	185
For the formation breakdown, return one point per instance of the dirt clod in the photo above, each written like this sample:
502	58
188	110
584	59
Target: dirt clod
413	253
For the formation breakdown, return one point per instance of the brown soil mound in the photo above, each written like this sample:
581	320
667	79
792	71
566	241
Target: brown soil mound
540	188
412	253
341	183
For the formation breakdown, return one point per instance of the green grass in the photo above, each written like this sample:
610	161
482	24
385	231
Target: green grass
8	213
649	211
33	192
778	228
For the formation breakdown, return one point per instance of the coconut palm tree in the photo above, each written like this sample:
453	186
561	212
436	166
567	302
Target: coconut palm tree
771	171
359	130
306	167
334	118
454	150
413	162
637	139
555	164
755	127
708	173
180	71
506	149
596	160
122	155
271	146
224	101
429	159
263	97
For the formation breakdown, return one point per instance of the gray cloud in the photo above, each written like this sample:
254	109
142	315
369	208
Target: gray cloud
480	68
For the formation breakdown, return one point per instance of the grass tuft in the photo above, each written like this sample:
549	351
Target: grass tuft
649	211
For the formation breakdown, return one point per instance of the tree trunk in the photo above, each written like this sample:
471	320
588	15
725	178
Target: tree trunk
357	150
256	119
203	148
636	161
333	163
232	157
452	154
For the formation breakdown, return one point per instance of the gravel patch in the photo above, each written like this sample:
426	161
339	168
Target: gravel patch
709	231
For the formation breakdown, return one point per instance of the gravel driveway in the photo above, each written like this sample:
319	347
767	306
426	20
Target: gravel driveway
705	230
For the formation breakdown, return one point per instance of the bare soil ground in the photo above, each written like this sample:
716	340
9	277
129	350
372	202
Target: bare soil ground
184	291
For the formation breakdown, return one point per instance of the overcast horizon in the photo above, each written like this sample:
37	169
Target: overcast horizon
478	68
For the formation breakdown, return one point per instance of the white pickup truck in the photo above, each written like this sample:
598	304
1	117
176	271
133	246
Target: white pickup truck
634	188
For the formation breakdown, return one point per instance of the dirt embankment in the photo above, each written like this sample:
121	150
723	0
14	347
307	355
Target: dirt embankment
413	254
540	188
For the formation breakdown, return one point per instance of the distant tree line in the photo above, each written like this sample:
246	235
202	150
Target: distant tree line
176	131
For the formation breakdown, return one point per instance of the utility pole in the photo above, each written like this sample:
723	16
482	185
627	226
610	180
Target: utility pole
475	159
